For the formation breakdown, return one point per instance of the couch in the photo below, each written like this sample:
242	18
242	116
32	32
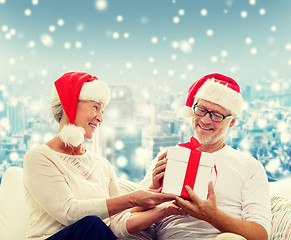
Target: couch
14	213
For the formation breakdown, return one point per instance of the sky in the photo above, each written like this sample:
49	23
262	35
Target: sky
143	43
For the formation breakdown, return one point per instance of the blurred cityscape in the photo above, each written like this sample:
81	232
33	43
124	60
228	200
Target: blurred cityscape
140	123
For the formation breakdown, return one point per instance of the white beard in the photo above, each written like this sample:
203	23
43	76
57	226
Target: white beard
210	139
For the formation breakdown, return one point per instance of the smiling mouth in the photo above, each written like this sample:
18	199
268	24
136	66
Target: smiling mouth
93	125
205	129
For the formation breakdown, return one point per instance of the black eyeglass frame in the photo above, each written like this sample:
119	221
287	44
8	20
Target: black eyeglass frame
210	113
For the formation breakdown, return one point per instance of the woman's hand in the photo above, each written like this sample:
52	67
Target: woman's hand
159	171
150	198
171	208
140	220
138	201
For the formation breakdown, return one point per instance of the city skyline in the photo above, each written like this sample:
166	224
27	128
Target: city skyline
136	129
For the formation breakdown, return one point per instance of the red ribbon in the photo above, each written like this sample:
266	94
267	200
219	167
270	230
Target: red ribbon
191	172
192	166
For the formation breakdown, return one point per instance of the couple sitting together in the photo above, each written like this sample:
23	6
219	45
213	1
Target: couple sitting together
73	193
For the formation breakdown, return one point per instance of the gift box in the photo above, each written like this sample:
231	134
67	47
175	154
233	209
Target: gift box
187	167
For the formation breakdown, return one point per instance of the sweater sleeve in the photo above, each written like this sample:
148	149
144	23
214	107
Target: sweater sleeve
117	221
49	189
118	224
256	196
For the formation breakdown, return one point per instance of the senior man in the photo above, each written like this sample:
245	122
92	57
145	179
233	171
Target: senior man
238	206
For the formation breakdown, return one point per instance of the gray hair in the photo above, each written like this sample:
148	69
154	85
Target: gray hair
56	106
57	109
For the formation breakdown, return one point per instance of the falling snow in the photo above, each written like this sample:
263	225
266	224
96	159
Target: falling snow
160	49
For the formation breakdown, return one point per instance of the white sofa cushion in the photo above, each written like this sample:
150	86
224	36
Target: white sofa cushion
280	188
13	210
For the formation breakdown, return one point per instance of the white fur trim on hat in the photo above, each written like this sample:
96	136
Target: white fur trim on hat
96	90
222	95
72	135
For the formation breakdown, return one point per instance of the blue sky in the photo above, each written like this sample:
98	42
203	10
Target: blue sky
143	42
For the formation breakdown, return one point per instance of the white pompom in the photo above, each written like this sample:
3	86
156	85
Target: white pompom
72	135
187	112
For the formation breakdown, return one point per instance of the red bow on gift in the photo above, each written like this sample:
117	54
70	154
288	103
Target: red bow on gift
193	144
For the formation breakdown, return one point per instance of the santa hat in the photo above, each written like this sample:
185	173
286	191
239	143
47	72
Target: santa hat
216	88
72	87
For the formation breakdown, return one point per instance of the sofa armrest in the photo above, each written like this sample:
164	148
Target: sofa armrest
13	209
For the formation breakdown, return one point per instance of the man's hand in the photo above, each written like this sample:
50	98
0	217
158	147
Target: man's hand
208	211
159	171
198	208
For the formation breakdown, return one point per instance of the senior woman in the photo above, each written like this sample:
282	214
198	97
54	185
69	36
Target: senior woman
72	193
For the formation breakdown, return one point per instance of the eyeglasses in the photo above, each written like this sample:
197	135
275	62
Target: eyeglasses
214	116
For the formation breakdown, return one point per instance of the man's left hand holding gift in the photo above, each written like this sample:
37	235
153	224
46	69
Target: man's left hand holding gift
202	209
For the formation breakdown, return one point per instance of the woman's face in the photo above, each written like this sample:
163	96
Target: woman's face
89	116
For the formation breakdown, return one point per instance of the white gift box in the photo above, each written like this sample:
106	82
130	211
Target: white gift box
187	167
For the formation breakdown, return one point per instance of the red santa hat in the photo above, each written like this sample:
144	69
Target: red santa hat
72	87
216	88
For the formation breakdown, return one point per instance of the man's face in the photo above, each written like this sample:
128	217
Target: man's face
207	131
